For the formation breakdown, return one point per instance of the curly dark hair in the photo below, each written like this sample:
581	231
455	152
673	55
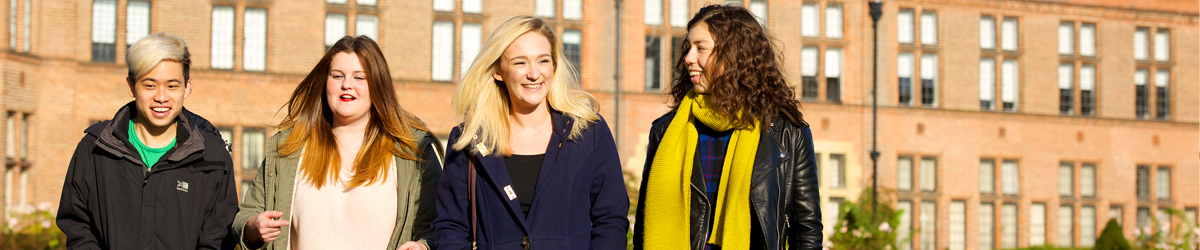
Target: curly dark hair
751	81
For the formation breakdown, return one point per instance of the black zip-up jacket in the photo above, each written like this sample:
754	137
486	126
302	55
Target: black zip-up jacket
784	200
110	200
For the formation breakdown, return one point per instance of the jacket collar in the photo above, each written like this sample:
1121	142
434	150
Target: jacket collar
495	171
114	137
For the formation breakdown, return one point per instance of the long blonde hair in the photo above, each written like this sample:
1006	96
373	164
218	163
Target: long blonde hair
481	103
311	121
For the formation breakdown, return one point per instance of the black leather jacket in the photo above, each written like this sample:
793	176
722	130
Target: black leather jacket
784	196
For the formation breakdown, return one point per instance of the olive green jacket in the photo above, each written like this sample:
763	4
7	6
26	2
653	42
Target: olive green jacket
417	183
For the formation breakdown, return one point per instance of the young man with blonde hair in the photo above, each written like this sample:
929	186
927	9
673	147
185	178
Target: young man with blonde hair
156	176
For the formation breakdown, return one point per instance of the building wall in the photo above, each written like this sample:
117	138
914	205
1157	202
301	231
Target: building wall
57	87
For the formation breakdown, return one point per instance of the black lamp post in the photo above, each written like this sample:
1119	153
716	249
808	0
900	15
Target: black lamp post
876	12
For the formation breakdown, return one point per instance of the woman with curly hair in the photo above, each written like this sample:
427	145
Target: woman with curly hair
733	161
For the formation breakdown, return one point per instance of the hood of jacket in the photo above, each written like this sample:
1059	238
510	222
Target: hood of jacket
113	136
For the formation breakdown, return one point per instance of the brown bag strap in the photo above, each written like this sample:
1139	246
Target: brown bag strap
471	195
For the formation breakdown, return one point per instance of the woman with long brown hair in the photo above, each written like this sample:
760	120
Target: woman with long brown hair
737	136
349	168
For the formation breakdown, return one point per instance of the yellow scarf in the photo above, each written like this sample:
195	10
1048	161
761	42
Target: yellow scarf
668	193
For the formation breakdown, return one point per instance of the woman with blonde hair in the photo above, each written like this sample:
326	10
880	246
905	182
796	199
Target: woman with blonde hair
349	168
543	165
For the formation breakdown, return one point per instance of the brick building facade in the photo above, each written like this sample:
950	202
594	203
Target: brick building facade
1002	123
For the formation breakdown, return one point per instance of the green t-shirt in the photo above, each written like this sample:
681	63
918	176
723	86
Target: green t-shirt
149	155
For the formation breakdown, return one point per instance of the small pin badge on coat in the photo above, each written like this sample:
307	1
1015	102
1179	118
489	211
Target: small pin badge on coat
511	194
181	186
480	148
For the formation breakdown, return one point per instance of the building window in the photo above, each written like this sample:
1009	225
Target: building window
252	148
10	137
987	83
679	13
1066	225
1162	47
573	9
1008	221
928	174
572	40
1087	84
335	28
1143	182
1087	40
929	80
1163	187
445	5
833	209
25	139
222	37
12	30
987	173
1162	80
254	48
904	166
1115	212
676	56
928	225
1141	43
1190	214
653	14
1037	224
759	9
137	21
808	73
958	225
653	63
104	30
1009	36
1066	38
833	21
1143	217
1087	226
1009	183
227	136
1010	89
906	225
472	36
833	74
836	172
443	51
1164	220
367	25
810	20
904	26
1087	180
1066	88
987	228
1142	96
1066	175
987	33
904	71
929	28
472	6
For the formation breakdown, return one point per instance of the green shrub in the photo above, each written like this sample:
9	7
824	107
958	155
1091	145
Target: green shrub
860	227
1162	235
30	227
1112	238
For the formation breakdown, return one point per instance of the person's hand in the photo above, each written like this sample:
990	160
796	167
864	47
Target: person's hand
264	227
412	245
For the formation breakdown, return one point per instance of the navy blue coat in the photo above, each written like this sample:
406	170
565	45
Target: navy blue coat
580	202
